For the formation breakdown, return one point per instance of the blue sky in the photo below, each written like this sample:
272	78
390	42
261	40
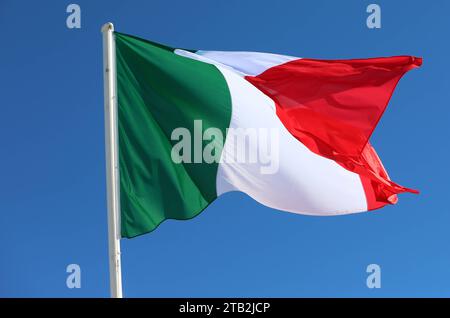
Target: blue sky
52	185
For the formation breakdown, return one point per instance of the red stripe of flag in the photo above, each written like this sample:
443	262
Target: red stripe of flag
333	106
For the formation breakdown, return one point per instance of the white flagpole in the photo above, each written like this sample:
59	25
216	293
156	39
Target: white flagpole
112	162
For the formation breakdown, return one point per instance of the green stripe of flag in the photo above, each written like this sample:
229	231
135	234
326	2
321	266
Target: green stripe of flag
159	91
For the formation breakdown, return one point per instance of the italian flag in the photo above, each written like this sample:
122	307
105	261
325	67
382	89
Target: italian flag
322	113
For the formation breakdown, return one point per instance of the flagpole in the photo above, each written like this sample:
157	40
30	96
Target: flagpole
112	164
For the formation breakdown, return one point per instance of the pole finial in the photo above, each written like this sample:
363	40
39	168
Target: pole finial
108	27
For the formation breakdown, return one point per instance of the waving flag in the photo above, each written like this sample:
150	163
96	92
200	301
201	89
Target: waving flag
322	113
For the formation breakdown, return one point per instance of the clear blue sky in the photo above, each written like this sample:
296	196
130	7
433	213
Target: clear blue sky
52	180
